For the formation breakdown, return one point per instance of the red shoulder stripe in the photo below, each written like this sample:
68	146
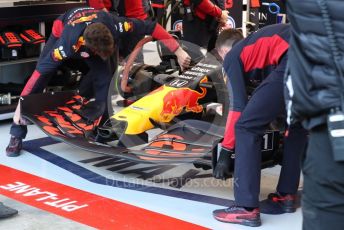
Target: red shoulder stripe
264	52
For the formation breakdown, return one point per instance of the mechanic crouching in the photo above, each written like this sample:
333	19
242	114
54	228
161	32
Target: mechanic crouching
90	35
260	61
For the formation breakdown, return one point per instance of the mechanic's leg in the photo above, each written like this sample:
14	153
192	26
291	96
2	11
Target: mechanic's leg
101	73
294	146
265	105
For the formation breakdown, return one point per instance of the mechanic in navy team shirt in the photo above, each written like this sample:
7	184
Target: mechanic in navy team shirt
93	36
258	61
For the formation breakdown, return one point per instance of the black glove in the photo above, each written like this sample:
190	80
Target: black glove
225	164
92	111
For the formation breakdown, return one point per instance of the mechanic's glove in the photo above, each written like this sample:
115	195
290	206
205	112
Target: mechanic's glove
92	111
183	58
224	165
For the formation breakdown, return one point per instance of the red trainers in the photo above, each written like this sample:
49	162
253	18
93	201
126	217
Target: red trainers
286	202
238	215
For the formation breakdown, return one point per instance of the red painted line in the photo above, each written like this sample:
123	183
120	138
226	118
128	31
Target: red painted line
84	207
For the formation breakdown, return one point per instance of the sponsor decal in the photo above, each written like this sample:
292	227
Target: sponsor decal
128	26
207	65
62	52
138	108
230	23
200	70
178	25
59	54
82	19
177	83
79	12
176	100
120	25
185	77
84	54
79	43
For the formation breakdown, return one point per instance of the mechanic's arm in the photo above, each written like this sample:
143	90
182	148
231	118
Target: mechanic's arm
209	8
162	35
54	52
237	90
154	29
48	62
50	59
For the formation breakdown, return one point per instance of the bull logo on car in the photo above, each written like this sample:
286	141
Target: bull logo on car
176	100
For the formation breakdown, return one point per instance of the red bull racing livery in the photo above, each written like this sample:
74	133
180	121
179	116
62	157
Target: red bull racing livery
178	118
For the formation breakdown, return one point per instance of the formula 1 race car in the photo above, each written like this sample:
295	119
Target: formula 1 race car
160	115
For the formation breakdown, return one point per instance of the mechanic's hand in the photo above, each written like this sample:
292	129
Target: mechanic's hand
224	165
223	18
92	111
183	58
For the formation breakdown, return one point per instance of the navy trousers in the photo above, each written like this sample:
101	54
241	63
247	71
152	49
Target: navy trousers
266	103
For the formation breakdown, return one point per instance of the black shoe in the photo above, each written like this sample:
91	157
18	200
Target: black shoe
238	215
14	147
286	202
6	211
